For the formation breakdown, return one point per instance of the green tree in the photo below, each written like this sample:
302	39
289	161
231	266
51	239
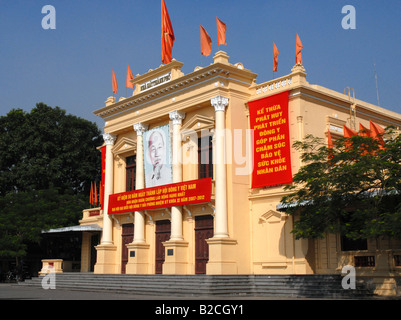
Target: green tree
353	188
47	161
25	214
46	148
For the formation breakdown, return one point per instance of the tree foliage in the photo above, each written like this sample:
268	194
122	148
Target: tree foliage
25	214
353	188
47	161
47	148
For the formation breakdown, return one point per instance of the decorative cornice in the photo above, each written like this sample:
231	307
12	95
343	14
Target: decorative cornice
174	85
177	117
219	103
109	139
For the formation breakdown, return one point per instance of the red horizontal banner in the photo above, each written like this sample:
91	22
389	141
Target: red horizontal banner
169	195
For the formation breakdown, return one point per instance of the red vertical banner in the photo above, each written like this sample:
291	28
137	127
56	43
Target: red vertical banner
272	146
103	150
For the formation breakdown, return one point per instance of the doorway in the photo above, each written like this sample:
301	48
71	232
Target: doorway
203	231
127	238
163	231
95	240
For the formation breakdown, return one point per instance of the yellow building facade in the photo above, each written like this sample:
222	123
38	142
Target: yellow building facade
241	229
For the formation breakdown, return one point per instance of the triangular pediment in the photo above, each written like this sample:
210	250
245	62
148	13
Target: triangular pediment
271	216
124	145
197	123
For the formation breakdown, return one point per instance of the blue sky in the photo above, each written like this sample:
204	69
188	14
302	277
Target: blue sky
71	66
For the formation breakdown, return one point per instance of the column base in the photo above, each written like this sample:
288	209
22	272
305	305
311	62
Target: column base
138	258
176	257
222	256
105	261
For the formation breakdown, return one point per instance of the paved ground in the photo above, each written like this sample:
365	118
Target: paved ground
161	307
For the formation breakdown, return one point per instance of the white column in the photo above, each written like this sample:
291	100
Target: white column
107	237
221	226
139	223
176	212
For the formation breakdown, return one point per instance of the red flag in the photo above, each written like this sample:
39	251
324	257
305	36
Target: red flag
221	32
329	141
363	131
377	132
101	195
348	133
206	42
103	151
95	195
115	85
91	195
275	57
168	37
330	146
129	78
298	48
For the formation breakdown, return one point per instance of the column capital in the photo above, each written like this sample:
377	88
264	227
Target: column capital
140	128
177	117
109	138
219	103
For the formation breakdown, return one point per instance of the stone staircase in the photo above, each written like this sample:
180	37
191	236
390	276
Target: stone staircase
287	286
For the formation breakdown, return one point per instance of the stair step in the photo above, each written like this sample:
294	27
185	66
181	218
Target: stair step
200	285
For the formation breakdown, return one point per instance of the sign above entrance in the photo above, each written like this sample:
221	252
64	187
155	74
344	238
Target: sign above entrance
156	82
169	195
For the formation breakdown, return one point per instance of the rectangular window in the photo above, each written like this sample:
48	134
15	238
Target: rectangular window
364	261
130	173
205	157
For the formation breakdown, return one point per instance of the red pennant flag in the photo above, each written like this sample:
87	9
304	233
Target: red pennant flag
298	48
103	151
348	133
206	42
221	32
363	131
91	194
130	77
168	37
115	85
275	57
377	132
330	146
329	141
101	194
